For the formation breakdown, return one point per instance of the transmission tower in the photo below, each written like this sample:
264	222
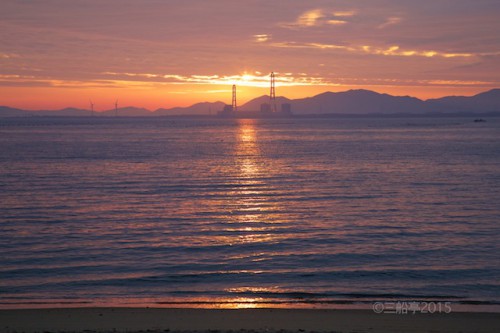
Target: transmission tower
272	94
91	108
116	108
234	106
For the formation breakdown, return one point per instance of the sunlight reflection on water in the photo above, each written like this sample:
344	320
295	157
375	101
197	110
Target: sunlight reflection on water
296	210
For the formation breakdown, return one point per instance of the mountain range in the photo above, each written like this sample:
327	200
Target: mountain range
352	102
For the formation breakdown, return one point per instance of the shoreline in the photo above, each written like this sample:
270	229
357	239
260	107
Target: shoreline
114	319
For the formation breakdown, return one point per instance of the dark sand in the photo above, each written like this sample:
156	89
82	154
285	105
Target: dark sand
262	320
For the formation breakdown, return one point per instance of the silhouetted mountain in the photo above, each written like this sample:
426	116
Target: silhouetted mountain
197	109
348	102
6	111
129	111
488	101
369	102
66	112
358	102
254	104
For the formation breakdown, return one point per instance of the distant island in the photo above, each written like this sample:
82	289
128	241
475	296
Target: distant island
348	103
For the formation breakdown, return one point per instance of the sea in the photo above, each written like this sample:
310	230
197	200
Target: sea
249	213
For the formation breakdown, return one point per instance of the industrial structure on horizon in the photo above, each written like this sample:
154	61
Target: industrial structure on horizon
266	109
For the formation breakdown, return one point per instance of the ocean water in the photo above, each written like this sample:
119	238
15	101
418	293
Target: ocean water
248	213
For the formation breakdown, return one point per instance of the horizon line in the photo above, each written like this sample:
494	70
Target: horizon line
246	102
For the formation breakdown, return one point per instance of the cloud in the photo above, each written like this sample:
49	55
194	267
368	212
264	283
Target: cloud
390	21
262	38
389	51
171	43
397	51
310	18
361	81
322	46
454	83
250	80
26	81
318	17
8	55
14	76
336	22
192	91
344	13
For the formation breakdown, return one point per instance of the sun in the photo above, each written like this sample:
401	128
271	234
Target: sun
247	78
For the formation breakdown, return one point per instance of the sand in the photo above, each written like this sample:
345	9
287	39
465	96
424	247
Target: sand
260	320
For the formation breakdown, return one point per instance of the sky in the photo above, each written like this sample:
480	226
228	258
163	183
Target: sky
166	53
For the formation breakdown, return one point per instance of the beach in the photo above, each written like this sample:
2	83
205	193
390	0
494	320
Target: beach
258	320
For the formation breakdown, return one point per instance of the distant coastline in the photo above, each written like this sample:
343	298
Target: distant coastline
352	103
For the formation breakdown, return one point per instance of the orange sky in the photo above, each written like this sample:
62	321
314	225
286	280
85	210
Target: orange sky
176	53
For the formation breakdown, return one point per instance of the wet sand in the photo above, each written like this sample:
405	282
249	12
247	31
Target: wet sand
248	320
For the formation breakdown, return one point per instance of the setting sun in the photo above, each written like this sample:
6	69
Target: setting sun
249	166
178	55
